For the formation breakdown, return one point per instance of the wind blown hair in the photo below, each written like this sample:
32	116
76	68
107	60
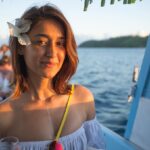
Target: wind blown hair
61	81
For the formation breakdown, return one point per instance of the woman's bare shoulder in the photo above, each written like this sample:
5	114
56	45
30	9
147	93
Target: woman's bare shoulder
84	95
5	105
6	115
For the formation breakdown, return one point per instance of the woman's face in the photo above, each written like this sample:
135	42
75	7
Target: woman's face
46	54
4	48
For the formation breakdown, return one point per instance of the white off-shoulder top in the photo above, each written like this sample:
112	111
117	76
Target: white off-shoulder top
88	136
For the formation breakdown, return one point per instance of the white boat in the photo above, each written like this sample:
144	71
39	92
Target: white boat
137	133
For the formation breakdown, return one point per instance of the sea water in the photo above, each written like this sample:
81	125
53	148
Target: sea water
107	72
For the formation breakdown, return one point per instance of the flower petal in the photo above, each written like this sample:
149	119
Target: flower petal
24	25
24	39
14	31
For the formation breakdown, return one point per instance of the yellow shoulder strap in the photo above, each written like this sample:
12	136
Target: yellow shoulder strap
65	114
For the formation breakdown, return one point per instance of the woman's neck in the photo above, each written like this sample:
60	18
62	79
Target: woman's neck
40	88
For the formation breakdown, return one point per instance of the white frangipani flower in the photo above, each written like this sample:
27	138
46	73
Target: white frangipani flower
19	30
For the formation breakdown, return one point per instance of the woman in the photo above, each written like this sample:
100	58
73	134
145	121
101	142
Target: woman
4	51
44	58
5	76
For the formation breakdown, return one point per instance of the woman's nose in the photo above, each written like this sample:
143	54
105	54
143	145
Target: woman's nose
50	51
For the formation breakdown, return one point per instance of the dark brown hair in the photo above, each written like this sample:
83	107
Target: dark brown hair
60	81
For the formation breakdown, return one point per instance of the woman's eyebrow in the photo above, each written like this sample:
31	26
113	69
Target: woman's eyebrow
46	36
61	38
41	35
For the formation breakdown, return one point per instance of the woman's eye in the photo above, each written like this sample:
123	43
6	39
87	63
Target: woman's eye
41	43
61	44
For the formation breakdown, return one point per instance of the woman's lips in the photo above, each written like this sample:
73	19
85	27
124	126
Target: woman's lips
49	64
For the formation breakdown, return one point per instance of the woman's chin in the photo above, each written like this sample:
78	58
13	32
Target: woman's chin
48	75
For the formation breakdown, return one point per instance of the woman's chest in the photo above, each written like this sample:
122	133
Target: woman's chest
44	124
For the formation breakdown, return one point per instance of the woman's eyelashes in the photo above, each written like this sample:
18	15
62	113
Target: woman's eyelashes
61	44
42	43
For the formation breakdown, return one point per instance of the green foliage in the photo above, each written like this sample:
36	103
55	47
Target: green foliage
112	2
102	2
125	1
133	1
86	3
124	41
129	1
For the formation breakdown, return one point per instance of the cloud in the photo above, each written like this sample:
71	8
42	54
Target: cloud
143	33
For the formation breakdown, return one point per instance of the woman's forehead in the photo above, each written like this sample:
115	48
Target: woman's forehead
47	26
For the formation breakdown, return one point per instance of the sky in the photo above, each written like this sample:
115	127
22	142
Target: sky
96	23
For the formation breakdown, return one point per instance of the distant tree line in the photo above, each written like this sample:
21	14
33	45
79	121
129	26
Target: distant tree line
124	41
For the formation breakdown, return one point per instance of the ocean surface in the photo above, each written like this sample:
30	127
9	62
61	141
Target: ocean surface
107	72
